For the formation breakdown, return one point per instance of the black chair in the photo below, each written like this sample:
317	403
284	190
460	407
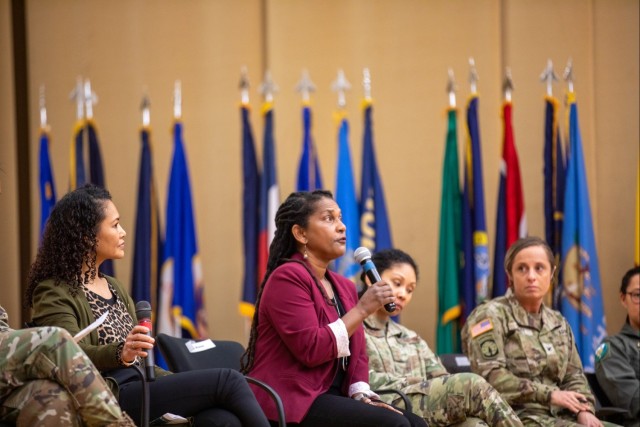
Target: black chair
605	410
455	363
225	354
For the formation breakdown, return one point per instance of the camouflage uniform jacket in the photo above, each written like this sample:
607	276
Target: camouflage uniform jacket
524	359
4	321
618	369
398	357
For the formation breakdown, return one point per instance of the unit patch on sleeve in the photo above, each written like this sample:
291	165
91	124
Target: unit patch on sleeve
489	349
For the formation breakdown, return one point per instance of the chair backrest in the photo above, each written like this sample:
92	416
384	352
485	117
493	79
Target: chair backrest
182	356
455	362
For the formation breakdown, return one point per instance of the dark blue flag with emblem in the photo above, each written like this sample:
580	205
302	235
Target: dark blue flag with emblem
375	233
47	185
474	274
250	216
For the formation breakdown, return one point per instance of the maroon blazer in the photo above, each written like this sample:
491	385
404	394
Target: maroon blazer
296	351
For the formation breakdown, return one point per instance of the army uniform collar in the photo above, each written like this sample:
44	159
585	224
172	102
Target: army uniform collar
379	329
521	316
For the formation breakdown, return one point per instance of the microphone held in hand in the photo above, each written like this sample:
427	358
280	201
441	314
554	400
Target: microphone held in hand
363	256
143	313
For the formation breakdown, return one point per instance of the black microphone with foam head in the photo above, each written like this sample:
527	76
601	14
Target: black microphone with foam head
143	313
363	256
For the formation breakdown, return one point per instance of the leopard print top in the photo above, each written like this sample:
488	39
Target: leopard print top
119	322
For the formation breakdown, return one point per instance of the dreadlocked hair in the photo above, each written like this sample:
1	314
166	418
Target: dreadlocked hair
69	241
295	210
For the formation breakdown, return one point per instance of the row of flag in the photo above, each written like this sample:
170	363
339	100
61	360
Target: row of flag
167	272
463	268
365	217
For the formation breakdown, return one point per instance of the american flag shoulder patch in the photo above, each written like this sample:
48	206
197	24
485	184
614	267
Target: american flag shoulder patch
481	327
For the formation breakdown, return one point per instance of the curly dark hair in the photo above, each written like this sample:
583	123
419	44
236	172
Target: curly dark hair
69	240
295	210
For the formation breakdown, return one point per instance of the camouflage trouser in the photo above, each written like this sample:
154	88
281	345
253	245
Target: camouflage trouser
47	380
460	399
537	418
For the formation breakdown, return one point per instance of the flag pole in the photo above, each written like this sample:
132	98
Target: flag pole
568	75
451	89
177	100
473	76
43	109
366	83
244	86
268	87
146	112
77	95
341	85
507	85
90	99
305	87
549	76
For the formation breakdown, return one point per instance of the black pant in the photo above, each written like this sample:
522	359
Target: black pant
214	397
341	411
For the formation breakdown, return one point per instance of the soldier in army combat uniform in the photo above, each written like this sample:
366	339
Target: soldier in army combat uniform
618	357
400	359
47	380
526	350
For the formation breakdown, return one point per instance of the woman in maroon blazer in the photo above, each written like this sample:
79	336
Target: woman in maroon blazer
307	339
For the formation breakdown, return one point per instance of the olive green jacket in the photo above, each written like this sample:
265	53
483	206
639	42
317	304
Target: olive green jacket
53	305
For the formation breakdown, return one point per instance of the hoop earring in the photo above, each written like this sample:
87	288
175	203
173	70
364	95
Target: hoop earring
305	255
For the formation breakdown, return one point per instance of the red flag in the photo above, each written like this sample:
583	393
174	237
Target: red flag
516	219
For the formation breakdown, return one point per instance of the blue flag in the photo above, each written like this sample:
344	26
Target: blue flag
346	200
181	309
474	274
309	177
554	181
250	216
374	223
581	302
147	250
47	185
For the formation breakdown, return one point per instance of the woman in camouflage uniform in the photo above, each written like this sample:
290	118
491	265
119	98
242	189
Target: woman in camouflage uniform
400	359
526	350
47	380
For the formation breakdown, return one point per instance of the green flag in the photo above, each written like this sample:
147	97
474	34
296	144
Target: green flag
449	245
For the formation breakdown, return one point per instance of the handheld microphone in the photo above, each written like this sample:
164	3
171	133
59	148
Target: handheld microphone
363	256
143	313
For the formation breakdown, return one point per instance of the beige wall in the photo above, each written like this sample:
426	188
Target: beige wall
9	267
127	46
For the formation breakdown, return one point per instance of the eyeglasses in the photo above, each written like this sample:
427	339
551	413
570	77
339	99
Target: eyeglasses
635	296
